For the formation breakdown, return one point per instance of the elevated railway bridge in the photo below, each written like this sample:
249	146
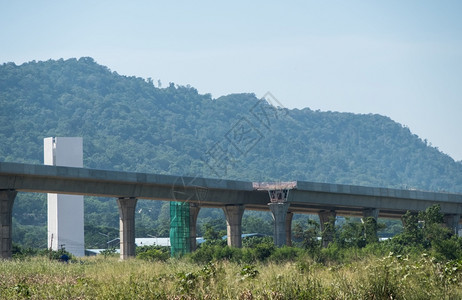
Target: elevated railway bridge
283	199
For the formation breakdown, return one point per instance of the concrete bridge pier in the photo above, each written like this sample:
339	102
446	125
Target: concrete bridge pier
6	219
127	226
452	222
371	229
289	217
234	215
327	220
279	212
193	213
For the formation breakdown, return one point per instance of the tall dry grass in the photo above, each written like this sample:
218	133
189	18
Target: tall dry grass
98	278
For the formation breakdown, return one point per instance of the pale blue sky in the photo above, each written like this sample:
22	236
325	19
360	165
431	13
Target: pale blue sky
402	59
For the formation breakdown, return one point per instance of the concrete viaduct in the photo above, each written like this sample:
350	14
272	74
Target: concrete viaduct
282	199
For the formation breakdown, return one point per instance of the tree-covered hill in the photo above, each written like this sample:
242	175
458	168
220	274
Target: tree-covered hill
129	124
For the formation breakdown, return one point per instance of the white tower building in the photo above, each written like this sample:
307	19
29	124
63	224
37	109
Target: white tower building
65	212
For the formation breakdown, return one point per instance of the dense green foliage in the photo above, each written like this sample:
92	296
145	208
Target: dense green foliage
129	124
423	233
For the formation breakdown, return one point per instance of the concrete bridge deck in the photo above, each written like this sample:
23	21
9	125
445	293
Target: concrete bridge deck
117	184
302	197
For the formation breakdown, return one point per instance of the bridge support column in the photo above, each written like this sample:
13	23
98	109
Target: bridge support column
327	222
452	222
6	218
289	217
127	226
279	212
193	213
370	226
234	215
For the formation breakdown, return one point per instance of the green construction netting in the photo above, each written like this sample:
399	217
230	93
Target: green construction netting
179	228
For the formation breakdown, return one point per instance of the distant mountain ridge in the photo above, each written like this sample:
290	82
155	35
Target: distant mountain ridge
129	124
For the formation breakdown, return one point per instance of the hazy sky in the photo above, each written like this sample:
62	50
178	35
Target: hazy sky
402	59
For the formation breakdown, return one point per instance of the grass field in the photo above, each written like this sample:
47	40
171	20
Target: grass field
389	277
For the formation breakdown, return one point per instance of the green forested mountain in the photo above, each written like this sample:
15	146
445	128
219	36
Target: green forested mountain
129	124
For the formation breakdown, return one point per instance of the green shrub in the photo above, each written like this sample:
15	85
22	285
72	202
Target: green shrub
259	252
285	254
203	254
22	252
153	253
111	252
249	271
225	253
56	255
263	251
448	249
253	241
